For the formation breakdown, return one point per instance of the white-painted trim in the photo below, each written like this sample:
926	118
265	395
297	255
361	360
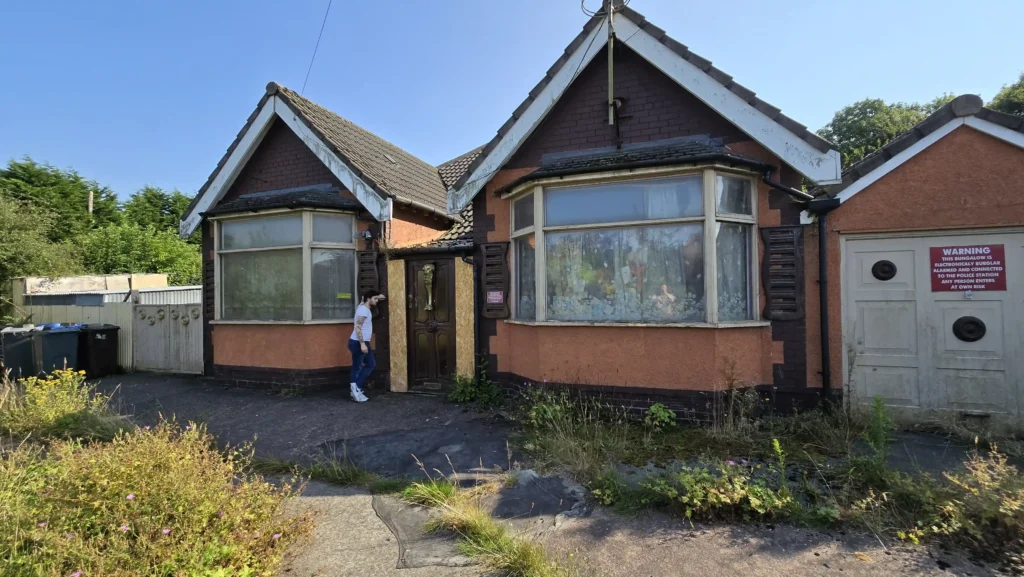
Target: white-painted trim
275	107
1001	132
227	173
932	232
530	119
822	168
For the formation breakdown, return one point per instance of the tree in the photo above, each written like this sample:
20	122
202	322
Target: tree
1010	99
863	127
129	248
25	249
151	206
62	193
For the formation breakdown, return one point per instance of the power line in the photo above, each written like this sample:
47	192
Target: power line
316	47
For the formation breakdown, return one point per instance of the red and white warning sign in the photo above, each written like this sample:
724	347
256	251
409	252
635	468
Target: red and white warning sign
968	268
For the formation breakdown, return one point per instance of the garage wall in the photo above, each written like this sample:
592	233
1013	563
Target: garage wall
966	180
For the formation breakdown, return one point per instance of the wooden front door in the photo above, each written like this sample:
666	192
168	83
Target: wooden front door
430	289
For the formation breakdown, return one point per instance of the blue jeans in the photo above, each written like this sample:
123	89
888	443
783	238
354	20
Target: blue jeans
362	363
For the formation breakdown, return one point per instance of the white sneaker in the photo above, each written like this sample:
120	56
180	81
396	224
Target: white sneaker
357	394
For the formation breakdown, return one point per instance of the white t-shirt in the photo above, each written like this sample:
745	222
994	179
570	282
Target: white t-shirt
363	311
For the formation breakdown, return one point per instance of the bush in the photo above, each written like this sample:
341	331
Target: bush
160	502
59	405
466	389
659	417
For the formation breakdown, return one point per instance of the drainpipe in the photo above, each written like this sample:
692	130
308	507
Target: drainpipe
820	207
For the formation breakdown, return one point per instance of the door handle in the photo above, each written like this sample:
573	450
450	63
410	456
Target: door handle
409	299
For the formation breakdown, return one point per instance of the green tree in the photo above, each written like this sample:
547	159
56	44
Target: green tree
863	127
63	193
124	248
25	249
152	206
1010	99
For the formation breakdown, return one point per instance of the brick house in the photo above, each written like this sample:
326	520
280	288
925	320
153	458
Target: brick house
651	242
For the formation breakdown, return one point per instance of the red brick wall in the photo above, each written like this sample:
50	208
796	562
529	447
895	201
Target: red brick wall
656	106
410	228
281	161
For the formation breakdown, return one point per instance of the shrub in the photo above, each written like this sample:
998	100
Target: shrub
466	389
659	417
59	405
160	502
728	492
988	513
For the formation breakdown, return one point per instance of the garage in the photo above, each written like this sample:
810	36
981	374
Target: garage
919	292
932	321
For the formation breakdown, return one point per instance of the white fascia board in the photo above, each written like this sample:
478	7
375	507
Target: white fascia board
376	205
891	164
530	119
273	108
227	173
820	167
992	129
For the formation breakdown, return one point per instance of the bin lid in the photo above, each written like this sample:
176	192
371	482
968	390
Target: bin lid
14	330
73	329
99	327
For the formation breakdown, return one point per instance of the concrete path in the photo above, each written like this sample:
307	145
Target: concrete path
349	540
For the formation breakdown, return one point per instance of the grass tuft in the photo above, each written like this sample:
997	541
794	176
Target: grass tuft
59	406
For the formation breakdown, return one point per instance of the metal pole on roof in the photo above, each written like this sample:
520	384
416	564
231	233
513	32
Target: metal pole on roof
609	10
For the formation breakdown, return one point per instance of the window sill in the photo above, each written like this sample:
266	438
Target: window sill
323	322
722	325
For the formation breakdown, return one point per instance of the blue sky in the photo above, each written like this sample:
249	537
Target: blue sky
152	92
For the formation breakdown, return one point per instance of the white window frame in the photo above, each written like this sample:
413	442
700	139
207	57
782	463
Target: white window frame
307	247
709	219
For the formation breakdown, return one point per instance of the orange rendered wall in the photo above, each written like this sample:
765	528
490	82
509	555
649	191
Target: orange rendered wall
282	346
967	179
652	357
409	228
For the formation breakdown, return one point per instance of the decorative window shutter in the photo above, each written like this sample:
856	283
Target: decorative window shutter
782	272
368	279
495	280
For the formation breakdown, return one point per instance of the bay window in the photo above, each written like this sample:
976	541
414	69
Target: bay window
677	249
286	267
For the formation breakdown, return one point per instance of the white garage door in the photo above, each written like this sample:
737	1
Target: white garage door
933	323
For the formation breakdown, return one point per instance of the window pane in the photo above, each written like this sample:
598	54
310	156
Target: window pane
653	274
733	246
624	201
332	277
261	232
522	212
526	278
332	228
733	195
262	286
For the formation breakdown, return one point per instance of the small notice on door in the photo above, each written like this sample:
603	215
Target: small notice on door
495	297
968	268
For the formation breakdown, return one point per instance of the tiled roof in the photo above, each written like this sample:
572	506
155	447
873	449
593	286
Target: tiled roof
463	228
658	34
452	170
662	153
390	168
306	197
963	105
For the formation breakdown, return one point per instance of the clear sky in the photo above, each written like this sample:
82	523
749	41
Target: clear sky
152	92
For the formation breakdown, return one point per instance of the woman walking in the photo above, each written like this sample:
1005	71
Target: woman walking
363	361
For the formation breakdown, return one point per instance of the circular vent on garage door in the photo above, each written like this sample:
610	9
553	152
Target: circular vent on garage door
883	270
969	329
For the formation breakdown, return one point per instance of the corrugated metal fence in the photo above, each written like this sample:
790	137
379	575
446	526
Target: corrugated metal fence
119	314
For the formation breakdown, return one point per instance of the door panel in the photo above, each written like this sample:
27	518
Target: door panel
898	332
431	330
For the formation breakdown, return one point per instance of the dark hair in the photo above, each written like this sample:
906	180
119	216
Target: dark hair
367	295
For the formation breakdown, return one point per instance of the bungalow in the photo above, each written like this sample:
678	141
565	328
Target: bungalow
638	229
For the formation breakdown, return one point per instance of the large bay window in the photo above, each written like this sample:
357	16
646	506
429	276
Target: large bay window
677	249
288	267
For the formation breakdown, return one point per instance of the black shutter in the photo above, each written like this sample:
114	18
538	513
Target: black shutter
368	279
782	272
495	280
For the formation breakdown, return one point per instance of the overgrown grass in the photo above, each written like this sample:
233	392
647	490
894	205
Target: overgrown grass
340	472
480	536
812	468
163	501
479	390
61	405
